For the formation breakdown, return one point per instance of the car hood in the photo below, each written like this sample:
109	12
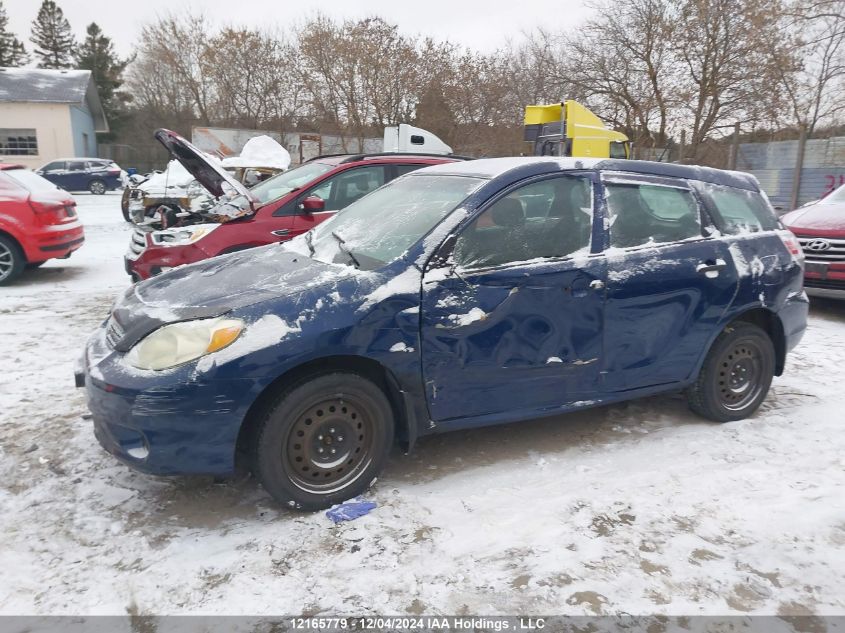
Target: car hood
817	217
209	175
215	287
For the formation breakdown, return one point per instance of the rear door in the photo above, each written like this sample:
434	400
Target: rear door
669	281
517	325
76	177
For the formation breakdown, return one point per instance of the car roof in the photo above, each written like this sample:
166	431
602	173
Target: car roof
105	160
387	157
494	167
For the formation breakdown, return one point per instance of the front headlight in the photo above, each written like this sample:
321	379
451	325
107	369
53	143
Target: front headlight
178	343
182	236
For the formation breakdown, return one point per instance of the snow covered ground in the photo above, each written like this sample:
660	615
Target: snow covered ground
639	508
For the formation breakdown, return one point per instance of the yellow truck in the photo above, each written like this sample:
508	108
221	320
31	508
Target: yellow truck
570	129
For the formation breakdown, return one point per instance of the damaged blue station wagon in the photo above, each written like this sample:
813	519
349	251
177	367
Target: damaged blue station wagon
459	295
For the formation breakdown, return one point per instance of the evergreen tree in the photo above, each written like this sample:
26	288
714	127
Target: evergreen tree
52	37
12	52
97	54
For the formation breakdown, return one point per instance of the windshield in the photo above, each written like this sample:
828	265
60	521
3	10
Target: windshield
837	197
277	186
381	226
30	180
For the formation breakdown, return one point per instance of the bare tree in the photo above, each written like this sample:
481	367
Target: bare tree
812	78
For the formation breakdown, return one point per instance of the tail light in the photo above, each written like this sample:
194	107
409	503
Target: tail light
113	172
52	212
791	242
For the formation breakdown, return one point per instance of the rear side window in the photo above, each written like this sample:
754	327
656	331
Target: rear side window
739	210
642	214
76	166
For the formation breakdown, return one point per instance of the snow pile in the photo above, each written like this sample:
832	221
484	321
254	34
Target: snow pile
260	151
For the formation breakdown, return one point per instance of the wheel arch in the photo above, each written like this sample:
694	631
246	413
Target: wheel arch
404	418
765	319
15	241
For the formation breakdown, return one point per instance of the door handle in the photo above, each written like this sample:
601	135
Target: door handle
711	268
281	232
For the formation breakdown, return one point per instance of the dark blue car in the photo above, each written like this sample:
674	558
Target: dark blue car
460	295
97	175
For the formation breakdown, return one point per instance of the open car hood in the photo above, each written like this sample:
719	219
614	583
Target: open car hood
208	174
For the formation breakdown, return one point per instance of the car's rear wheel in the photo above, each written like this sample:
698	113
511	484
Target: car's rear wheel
736	374
97	186
12	261
324	441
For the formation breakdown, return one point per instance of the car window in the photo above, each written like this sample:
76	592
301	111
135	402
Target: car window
401	170
346	187
76	166
739	210
281	184
650	214
551	218
374	235
54	166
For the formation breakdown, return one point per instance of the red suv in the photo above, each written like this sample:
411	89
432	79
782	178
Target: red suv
38	221
275	210
820	229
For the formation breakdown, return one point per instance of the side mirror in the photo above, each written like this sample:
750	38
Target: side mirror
312	204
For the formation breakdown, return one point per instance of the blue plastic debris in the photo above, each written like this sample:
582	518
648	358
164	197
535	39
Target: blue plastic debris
350	510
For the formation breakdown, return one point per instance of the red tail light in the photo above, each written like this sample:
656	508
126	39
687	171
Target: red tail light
52	212
792	245
113	172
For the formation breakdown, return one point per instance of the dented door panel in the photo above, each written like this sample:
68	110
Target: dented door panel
515	338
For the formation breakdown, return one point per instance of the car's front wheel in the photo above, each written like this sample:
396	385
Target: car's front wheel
736	374
324	441
97	187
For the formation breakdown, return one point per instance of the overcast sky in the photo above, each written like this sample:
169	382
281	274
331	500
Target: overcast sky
479	24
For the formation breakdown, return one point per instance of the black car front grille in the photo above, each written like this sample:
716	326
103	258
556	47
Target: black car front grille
822	249
829	284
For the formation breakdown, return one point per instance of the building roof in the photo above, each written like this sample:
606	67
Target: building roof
37	85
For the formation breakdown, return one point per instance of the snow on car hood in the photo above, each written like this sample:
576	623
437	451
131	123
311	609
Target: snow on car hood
817	217
219	285
260	151
207	172
175	176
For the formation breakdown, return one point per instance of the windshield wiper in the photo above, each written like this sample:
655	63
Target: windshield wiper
309	239
345	249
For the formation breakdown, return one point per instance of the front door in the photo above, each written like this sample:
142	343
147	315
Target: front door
516	326
668	283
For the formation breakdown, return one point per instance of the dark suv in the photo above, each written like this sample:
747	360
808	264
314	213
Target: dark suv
97	175
461	295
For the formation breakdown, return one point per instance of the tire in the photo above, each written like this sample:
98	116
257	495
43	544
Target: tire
34	265
736	374
294	440
124	204
12	261
97	187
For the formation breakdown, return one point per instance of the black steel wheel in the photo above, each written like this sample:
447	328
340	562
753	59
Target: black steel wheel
736	374
12	260
324	441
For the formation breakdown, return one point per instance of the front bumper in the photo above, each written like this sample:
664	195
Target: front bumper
174	422
153	260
